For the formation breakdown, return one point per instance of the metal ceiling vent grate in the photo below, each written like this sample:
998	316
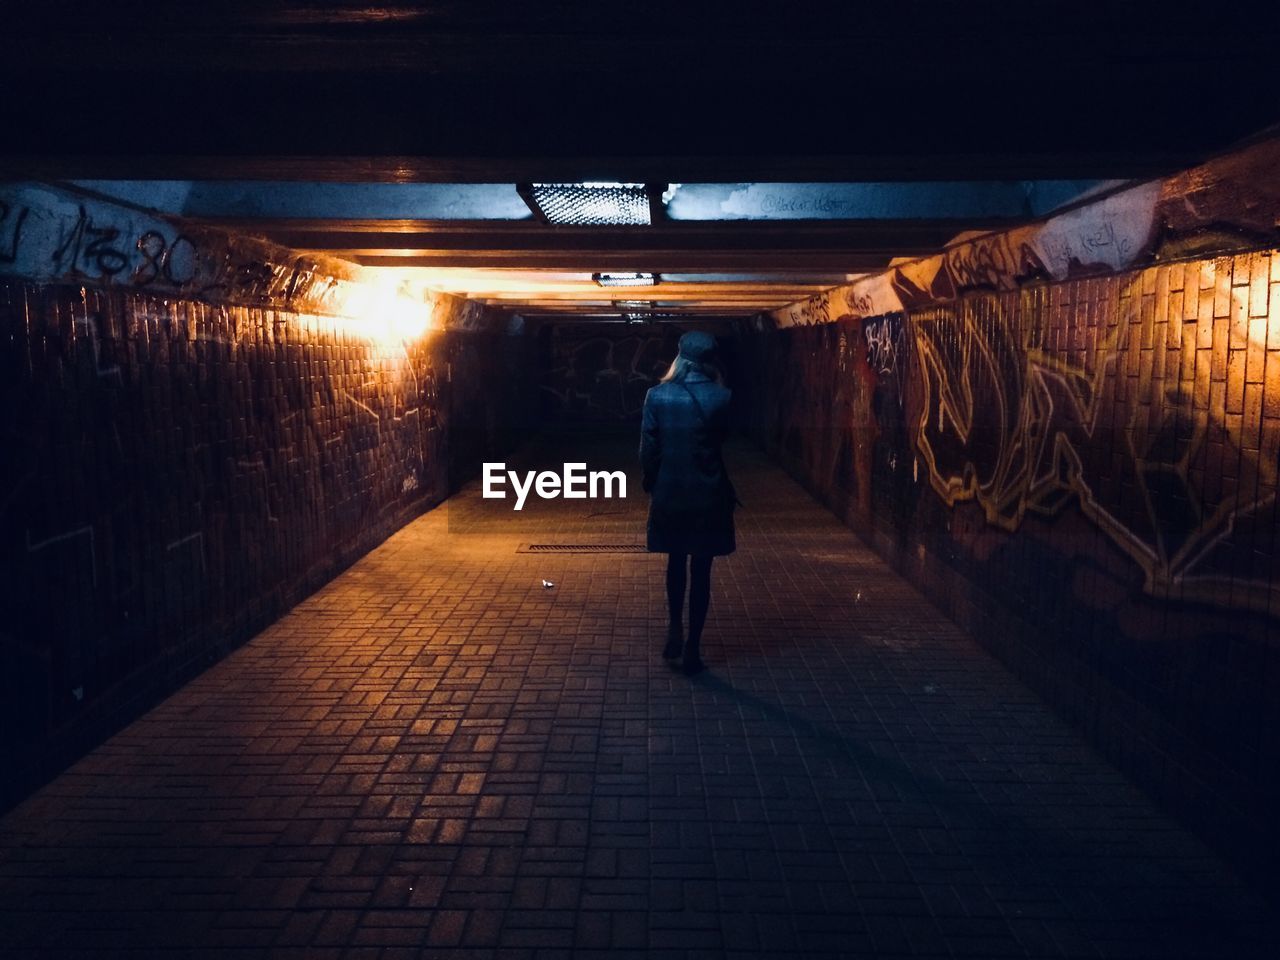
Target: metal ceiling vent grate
592	204
626	279
582	548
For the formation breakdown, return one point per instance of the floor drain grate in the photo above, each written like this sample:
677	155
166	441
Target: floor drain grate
581	548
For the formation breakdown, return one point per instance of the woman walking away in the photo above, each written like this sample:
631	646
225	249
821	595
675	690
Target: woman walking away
692	500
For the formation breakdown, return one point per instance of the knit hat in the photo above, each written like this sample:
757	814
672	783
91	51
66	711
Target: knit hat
697	346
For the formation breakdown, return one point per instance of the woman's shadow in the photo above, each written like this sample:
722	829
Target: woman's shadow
1000	847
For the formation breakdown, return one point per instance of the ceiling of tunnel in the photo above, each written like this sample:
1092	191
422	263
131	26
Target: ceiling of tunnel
715	248
783	148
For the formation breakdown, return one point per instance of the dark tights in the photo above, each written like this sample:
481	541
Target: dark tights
699	593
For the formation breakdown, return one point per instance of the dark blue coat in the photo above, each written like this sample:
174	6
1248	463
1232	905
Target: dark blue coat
691	510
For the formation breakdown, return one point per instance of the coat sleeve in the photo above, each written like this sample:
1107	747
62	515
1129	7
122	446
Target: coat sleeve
650	445
722	434
722	419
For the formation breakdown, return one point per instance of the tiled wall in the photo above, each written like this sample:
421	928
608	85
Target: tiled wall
1084	474
599	373
182	472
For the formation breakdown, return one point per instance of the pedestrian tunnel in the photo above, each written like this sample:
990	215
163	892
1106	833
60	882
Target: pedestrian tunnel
1049	406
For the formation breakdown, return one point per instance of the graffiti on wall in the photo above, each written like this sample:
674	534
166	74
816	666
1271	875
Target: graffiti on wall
1232	199
884	337
1103	237
1142	401
53	235
56	236
253	419
238	453
894	475
1094	419
605	375
833	403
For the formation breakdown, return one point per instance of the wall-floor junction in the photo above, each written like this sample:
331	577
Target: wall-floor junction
200	430
1080	465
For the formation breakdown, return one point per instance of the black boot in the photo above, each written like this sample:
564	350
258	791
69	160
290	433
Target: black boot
692	660
699	601
675	643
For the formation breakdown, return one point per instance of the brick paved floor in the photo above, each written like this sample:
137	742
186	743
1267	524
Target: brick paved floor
435	755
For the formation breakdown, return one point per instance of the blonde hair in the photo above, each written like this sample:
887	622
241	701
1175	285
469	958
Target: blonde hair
682	366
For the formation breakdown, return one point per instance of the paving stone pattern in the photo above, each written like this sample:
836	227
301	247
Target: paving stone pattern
437	756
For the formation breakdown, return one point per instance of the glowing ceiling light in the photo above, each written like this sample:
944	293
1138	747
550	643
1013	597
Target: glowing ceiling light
635	311
593	203
387	310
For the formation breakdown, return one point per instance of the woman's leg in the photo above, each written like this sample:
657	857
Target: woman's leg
675	603
699	601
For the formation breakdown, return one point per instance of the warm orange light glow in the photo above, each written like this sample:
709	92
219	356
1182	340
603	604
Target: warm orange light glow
387	309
